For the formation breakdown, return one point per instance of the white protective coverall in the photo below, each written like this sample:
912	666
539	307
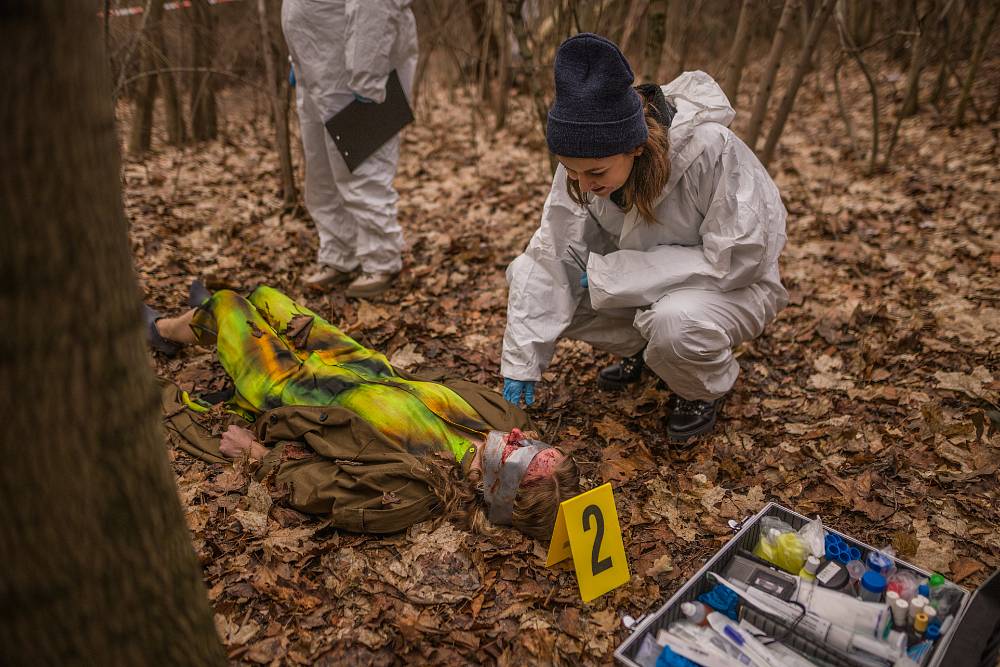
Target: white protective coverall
338	48
689	287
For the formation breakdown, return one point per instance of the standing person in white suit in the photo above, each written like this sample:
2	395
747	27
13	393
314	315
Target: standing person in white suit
677	227
342	51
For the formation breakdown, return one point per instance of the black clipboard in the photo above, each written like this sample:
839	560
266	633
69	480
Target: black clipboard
362	128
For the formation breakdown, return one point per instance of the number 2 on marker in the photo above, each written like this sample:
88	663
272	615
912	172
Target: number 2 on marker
587	526
597	565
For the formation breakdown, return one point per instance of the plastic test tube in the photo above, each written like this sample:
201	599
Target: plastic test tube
916	605
931	613
900	608
856	570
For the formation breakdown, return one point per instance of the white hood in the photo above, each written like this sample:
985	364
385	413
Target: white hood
698	100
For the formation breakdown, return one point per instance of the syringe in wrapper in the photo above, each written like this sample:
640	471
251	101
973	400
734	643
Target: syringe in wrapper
816	626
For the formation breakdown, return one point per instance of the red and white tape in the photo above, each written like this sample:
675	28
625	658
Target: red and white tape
168	6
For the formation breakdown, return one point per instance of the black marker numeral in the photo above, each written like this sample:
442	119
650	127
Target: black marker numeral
597	566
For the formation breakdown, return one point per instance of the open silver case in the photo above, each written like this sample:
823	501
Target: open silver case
972	640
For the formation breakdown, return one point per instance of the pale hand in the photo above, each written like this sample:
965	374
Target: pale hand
236	440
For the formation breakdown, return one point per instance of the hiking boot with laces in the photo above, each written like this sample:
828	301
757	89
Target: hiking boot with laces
692	418
369	284
620	375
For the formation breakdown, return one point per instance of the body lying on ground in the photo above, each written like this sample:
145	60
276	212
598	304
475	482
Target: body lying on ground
374	449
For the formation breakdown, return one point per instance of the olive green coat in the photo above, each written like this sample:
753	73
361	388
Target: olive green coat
335	463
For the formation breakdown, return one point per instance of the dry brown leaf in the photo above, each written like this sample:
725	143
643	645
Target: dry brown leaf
963	568
661	565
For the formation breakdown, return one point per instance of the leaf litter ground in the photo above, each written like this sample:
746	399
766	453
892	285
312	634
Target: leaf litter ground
872	400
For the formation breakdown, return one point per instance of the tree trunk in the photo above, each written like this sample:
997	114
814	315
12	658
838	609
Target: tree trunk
941	85
141	130
911	98
805	58
488	55
853	50
995	109
176	132
689	15
766	83
514	13
860	20
481	14
504	82
98	563
656	37
738	54
842	107
204	124
278	95
633	21
977	58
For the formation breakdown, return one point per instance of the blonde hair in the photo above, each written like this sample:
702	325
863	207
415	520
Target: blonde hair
535	505
649	175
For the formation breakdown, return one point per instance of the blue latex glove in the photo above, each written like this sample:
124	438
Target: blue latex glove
722	600
584	283
362	98
670	659
513	389
291	74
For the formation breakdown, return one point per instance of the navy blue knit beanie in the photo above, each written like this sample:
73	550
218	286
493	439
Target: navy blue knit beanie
596	113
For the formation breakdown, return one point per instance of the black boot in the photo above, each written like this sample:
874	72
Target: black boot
153	337
691	418
618	376
198	293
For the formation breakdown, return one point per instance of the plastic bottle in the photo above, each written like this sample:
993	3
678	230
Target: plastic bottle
872	586
935	583
917	604
808	571
931	613
933	632
900	609
696	612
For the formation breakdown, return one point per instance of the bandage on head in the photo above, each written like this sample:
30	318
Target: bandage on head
501	478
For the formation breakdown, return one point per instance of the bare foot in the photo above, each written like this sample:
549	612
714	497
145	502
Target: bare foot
177	329
236	440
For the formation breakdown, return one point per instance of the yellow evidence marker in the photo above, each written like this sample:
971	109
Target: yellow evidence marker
587	528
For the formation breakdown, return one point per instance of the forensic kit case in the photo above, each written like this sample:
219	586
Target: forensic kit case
971	640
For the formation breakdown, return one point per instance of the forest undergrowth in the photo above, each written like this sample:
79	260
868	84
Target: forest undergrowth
872	401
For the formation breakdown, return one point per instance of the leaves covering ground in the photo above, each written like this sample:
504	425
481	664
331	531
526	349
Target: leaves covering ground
872	400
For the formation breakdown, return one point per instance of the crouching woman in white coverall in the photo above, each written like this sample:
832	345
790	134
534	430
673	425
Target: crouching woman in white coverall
342	51
677	227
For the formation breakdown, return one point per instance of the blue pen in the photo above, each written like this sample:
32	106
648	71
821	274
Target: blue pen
757	652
